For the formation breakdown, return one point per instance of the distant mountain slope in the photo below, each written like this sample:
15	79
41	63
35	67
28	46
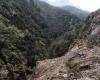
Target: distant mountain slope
58	20
78	12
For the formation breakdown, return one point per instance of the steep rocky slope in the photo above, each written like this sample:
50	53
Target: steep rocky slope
93	24
80	63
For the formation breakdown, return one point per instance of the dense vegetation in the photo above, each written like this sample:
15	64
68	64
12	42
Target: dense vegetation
62	44
21	38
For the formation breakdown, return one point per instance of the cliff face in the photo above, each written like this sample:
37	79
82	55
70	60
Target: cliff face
93	23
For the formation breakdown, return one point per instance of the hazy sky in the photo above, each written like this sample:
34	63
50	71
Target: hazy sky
88	5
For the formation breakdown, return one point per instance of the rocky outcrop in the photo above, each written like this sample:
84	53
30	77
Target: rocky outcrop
93	23
80	63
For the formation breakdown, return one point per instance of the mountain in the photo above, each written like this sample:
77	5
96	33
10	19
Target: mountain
58	20
76	11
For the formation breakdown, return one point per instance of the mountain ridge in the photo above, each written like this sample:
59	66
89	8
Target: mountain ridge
76	11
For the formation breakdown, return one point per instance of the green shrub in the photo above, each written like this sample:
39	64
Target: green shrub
73	68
